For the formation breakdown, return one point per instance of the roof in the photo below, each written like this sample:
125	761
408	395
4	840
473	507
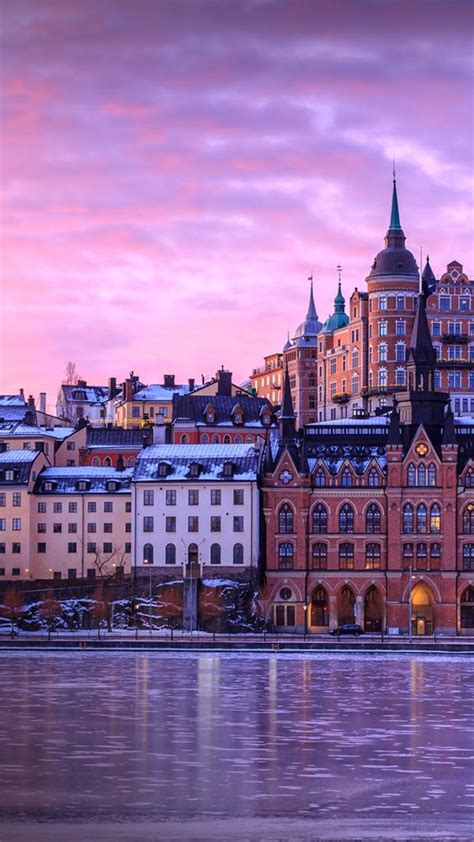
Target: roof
65	479
12	400
117	437
157	392
85	394
311	326
192	408
20	461
15	412
211	458
11	429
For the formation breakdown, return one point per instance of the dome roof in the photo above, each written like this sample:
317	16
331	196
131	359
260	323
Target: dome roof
308	330
394	259
339	318
287	345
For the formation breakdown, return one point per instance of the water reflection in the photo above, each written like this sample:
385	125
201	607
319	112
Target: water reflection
134	736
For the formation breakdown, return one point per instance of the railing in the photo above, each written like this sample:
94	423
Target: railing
454	337
381	390
455	363
341	397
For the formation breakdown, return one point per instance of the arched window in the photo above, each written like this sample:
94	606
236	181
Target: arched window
432	474
373	520
249	438
170	554
345	606
421	556
285	556
346	556
238	439
215	439
320	519
204	438
226	440
469	481
131	461
184	439
346	518
467	608
373	610
468	557
107	462
193	554
468	519
435	518
346	478
374	478
96	461
319	608
372	557
320	477
435	556
407	556
421	518
238	554
411	476
421	476
148	554
285	519
408	518
215	553
320	556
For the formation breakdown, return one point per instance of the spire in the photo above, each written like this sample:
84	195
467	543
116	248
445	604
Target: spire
287	345
421	356
395	215
287	414
449	433
339	301
428	279
311	314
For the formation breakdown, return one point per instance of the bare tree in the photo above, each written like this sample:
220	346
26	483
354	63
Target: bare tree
107	566
13	604
49	609
72	375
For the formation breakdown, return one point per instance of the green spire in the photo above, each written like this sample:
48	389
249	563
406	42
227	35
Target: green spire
395	215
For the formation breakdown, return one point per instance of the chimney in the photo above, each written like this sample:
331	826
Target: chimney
224	382
22	393
128	390
144	441
42	402
31	401
120	463
112	387
82	384
191	383
168	381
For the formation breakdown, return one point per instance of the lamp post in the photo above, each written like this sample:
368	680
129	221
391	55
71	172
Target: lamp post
149	563
409	606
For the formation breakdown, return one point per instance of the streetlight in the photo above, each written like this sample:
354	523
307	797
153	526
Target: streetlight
409	606
149	562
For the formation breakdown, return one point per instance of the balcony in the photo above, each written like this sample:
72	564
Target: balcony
341	397
454	338
455	363
381	390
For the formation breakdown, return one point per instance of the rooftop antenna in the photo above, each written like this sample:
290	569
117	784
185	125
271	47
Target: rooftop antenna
339	271
394	170
421	269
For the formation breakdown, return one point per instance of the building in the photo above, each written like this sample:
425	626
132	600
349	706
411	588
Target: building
60	444
371	520
139	405
82	402
197	505
112	447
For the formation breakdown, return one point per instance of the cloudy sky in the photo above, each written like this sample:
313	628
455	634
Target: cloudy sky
173	170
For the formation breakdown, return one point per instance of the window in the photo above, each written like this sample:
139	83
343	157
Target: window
204	439
170	554
435	556
91	546
431	475
319	608
238	497
372	557
170	524
108	527
193	497
320	556
90	572
421	518
72	508
383	329
16	547
41	548
72	547
16	524
148	524
148	554
468	519
72	573
215	553
41	507
108	506
436	329
382	352
216	496
128	507
285	556
285	519
320	478
382	377
383	302
346	518
468	557
128	526
193	524
354	384
15	571
400	302
170	497
421	556
407	556
355	359
2	549
454	379
95	462
346	478
467	608
107	547
346	556
374	478
444	302
91	507
400	352
57	527
215	524
373	520
41	527
10	476
421	476
435	518
194	469
320	519
238	554
72	528
332	365
411	475
91	527
148	497
408	519
238	523
400	328
3	524
26	445
135	412
16	498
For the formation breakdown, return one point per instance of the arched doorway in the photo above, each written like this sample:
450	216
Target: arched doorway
467	609
345	606
421	610
192	566
319	608
373	611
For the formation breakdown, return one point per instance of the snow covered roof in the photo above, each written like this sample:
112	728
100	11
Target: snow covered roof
157	392
85	394
12	400
20	462
9	429
18	456
100	437
193	408
65	480
210	459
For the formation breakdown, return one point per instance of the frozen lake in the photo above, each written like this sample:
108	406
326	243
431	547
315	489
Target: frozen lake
142	746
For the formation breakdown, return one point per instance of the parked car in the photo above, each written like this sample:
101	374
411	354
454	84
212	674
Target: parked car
348	628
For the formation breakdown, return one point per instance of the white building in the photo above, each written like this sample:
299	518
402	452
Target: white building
197	503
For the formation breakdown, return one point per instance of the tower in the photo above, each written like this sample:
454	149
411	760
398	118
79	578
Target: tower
300	358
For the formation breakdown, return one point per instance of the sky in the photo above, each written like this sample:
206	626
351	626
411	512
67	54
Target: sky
172	171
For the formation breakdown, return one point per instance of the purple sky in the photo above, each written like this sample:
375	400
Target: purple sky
173	171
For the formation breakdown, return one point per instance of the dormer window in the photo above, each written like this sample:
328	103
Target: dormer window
163	469
111	485
48	486
194	469
228	470
9	476
82	484
237	414
210	414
